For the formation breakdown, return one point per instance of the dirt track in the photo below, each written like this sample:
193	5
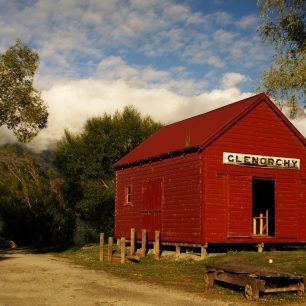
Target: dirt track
35	279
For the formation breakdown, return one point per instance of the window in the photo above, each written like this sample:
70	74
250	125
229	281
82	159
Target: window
128	194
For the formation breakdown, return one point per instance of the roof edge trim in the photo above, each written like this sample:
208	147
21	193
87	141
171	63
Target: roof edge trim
187	150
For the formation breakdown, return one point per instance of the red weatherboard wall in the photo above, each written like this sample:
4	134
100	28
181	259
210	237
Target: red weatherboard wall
180	205
227	213
302	213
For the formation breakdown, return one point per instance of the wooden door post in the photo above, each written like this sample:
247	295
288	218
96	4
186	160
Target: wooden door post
267	222
254	226
132	245
261	224
101	246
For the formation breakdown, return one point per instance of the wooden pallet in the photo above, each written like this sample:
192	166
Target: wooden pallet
254	279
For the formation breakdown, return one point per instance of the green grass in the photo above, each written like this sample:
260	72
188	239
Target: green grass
287	261
187	274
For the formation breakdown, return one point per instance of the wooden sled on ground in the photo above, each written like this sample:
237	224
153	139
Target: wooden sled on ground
255	280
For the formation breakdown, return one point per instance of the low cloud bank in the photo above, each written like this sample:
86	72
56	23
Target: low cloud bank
71	103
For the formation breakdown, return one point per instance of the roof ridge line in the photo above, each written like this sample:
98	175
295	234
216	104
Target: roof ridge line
215	109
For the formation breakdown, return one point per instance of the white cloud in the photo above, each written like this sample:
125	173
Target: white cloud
300	124
85	48
249	21
114	67
176	79
200	51
249	52
232	79
222	37
220	17
72	102
149	74
66	32
176	12
143	4
300	121
209	100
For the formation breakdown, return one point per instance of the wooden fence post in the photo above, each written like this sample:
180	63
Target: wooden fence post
101	246
177	250
110	248
157	245
204	251
143	242
260	247
122	242
132	243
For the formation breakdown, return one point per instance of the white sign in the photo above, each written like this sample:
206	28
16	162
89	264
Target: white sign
260	161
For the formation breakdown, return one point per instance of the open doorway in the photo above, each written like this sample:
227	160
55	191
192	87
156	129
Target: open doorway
263	211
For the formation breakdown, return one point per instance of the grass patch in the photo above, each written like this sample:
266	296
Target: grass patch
187	274
287	261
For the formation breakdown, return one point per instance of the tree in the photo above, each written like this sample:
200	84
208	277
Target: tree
284	27
86	160
32	205
21	108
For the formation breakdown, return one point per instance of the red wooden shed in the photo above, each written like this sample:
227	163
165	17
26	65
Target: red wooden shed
236	174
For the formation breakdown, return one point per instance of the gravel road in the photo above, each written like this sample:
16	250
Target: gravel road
39	279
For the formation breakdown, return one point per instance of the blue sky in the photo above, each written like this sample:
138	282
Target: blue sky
171	59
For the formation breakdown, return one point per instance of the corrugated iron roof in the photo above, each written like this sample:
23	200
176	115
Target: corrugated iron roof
196	132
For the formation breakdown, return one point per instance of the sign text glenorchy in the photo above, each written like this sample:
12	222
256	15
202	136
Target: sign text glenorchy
260	161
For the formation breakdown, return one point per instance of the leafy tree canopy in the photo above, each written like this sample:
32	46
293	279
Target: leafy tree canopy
21	108
86	160
32	206
284	27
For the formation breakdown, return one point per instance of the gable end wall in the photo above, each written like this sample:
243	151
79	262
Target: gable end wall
227	213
